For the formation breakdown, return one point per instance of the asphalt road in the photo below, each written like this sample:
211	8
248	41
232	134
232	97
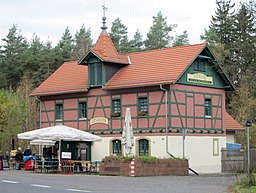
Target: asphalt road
27	182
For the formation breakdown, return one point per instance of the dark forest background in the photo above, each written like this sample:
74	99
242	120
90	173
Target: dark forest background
25	64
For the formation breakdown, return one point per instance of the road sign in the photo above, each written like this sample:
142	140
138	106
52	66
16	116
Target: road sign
248	124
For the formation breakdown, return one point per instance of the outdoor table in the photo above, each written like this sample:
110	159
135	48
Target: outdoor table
85	165
94	167
46	166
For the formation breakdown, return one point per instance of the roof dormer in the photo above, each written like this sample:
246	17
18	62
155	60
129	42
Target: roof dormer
103	60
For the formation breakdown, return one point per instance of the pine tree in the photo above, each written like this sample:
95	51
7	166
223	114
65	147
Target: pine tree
245	39
221	35
223	22
181	40
47	67
158	35
64	49
137	42
12	58
82	41
119	36
34	60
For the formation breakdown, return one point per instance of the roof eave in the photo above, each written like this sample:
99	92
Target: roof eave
235	129
58	93
136	86
84	60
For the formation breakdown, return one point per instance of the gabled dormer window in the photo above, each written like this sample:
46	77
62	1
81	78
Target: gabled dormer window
95	74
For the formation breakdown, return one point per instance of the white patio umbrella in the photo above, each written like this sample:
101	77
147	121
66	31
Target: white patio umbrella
127	136
41	143
58	133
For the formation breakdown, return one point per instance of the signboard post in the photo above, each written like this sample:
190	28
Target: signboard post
184	133
248	125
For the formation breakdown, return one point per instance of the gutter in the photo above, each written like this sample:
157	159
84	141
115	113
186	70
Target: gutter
166	125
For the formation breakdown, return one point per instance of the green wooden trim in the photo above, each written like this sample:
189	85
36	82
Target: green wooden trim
191	94
196	117
47	116
103	108
217	110
175	98
158	109
171	94
95	105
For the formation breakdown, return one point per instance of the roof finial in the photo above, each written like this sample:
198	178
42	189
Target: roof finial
104	28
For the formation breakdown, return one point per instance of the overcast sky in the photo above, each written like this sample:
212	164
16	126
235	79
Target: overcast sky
49	18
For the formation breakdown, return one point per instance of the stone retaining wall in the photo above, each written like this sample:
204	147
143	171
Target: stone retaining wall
166	167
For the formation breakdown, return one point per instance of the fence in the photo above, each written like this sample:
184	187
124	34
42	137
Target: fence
236	160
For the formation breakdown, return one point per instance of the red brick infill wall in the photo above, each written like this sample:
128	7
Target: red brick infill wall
156	168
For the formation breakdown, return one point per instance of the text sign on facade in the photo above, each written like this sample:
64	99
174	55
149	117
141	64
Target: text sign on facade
66	155
101	120
200	78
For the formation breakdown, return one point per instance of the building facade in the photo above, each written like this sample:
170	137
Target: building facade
176	96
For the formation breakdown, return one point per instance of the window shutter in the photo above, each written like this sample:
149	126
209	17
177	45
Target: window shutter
92	74
99	74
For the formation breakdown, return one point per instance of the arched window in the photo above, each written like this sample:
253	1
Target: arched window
117	147
143	147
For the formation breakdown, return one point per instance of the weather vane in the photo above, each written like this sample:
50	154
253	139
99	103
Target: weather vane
104	8
104	28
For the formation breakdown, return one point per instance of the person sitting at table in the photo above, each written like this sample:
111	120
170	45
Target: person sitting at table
28	151
19	158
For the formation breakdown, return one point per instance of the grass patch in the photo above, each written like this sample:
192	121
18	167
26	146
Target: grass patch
241	186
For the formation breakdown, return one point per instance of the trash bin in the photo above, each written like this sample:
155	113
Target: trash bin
29	164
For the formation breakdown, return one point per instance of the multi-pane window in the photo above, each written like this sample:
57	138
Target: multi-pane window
116	107
208	107
95	74
58	111
82	110
143	104
117	147
143	147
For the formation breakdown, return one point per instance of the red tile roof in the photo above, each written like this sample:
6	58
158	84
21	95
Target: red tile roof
155	67
69	78
232	124
148	68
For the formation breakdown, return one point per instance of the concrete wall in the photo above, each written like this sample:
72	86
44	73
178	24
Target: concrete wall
203	152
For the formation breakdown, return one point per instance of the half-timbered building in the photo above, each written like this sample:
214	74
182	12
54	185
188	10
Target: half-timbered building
176	96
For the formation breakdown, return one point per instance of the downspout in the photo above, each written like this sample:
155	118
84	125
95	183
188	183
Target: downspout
166	120
166	126
40	112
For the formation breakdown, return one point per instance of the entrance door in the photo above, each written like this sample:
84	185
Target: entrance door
83	151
